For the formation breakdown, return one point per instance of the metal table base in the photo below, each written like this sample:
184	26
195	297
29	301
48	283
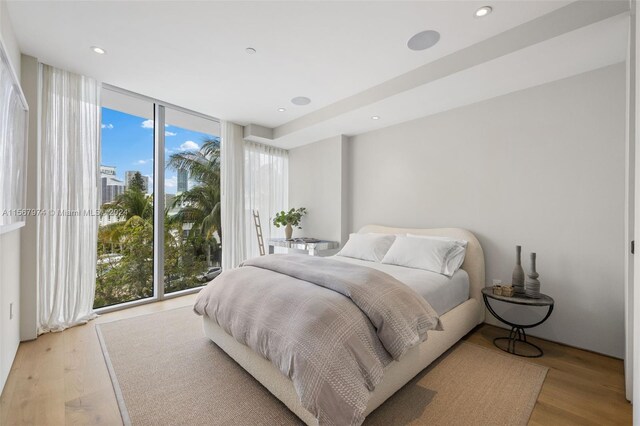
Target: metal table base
517	336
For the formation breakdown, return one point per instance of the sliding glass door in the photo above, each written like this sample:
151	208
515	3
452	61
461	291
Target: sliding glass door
159	228
192	201
125	234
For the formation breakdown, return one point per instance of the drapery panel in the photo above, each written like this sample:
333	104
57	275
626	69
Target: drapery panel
13	132
232	183
266	181
68	195
254	177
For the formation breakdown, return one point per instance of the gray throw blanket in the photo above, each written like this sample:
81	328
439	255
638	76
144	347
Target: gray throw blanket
329	326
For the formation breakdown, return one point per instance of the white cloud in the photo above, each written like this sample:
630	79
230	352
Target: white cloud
144	161
171	182
148	124
189	145
106	126
168	133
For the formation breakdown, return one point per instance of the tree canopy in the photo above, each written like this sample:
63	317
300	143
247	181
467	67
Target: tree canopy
192	232
137	182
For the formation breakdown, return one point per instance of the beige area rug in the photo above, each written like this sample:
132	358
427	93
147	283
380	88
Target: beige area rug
166	372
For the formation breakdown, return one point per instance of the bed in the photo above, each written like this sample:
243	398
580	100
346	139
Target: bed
456	322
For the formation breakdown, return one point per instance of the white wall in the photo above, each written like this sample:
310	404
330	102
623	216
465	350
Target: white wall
28	246
9	301
9	244
543	167
316	182
8	37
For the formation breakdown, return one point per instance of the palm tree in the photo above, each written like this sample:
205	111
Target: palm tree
200	205
137	206
135	203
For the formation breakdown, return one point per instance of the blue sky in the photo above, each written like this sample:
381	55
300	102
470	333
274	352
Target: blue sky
127	144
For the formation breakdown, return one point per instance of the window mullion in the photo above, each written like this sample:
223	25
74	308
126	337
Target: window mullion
158	201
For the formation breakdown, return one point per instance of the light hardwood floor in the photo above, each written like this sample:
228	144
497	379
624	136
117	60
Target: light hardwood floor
61	378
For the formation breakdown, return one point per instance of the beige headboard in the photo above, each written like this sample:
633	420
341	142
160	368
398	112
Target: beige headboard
474	258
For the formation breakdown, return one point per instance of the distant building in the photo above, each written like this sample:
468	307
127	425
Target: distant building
107	171
111	185
168	200
129	174
107	217
183	181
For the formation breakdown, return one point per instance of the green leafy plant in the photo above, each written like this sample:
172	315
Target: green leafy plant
137	183
125	248
292	217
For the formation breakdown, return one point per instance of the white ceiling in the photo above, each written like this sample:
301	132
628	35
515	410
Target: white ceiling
588	48
192	54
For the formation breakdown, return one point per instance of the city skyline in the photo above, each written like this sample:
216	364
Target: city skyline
127	145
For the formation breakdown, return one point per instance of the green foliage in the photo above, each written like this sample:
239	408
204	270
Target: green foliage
200	205
184	258
134	202
127	273
292	217
125	249
136	182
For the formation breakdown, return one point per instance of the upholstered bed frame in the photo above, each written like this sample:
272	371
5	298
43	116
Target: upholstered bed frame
457	322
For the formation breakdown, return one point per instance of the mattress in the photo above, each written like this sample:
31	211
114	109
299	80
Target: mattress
442	293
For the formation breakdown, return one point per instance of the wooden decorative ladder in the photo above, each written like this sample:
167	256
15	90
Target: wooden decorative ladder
256	222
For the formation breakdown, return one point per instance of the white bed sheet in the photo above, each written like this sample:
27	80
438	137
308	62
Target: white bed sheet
442	292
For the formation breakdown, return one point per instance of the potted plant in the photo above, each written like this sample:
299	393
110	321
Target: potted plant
289	220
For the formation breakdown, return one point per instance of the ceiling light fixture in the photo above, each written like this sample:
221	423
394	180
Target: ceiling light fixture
301	100
423	40
250	50
375	117
483	11
98	50
281	109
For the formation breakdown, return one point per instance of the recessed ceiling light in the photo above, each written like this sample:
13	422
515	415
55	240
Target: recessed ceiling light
483	11
250	50
98	50
301	100
375	117
281	109
423	40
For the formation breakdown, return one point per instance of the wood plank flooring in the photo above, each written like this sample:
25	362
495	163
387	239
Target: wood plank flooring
61	379
581	387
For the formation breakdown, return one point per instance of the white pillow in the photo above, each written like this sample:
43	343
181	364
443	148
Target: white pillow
432	254
456	260
371	247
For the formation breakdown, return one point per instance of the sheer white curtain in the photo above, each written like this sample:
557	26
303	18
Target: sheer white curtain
13	120
233	210
68	195
266	181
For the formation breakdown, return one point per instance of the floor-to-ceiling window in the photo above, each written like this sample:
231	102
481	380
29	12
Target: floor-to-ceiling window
192	201
160	200
125	233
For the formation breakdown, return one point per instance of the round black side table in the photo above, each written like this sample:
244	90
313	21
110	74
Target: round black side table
517	334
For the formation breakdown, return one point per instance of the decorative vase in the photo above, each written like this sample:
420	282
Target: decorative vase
517	278
288	231
532	286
